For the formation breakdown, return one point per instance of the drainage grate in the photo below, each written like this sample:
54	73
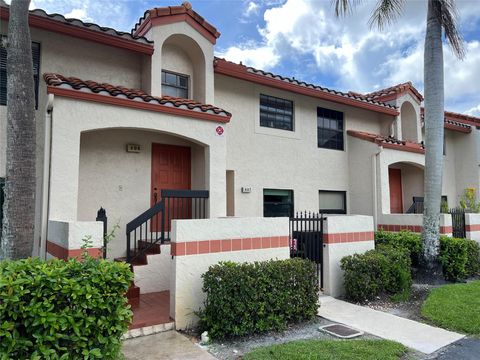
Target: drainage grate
341	331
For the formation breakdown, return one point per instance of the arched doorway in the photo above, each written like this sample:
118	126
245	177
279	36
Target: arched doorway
406	182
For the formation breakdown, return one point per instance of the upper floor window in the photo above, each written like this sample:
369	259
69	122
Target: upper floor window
330	129
175	85
276	113
3	71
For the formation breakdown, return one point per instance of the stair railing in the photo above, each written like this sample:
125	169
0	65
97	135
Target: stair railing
152	226
140	229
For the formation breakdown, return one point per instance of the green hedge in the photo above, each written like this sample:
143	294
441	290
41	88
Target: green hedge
385	270
63	309
404	239
460	258
249	298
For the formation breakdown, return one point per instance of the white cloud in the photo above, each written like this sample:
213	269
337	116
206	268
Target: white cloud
78	14
252	9
261	57
475	111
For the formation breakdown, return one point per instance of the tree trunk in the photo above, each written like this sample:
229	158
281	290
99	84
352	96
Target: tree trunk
19	206
434	132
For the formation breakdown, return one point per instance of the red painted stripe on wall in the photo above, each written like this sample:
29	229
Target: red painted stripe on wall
413	228
348	237
474	227
64	254
227	245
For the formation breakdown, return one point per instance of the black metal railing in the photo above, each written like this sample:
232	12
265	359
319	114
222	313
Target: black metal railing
140	234
102	216
184	204
458	223
417	206
154	225
306	238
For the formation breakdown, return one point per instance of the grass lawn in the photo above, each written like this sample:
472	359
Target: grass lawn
330	350
455	307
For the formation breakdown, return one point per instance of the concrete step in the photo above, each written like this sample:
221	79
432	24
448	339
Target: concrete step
148	330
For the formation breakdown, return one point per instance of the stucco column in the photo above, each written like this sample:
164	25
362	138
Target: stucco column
216	167
65	158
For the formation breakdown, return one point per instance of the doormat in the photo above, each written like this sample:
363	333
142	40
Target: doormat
341	331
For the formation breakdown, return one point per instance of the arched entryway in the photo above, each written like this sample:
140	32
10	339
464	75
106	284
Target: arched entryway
123	170
406	182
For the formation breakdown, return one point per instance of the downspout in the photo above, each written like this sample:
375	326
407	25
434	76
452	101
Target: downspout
47	152
375	197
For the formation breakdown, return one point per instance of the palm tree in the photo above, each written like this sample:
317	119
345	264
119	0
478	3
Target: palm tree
441	16
19	206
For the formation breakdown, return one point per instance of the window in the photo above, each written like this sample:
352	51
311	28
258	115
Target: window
276	113
330	129
175	85
333	202
277	203
3	71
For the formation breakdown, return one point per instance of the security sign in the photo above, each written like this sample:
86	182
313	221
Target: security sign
220	130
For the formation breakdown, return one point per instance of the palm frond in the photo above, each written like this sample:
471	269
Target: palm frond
446	13
344	7
386	12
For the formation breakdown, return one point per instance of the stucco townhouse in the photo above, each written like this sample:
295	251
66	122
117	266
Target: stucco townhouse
122	116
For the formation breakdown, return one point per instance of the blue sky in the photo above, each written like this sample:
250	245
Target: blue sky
303	38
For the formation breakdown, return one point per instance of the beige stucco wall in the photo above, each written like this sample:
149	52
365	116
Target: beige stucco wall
467	162
334	252
472	222
80	184
186	294
271	158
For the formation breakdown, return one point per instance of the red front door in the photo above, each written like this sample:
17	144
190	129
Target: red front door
171	169
396	195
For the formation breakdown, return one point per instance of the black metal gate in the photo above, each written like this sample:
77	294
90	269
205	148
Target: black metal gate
458	223
306	238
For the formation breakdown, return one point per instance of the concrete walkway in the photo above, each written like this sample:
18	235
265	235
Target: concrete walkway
415	335
168	345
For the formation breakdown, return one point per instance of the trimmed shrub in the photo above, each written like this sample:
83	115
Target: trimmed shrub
249	298
63	309
460	258
385	270
403	239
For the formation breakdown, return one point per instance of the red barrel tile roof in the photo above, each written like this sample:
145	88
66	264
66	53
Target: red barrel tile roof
388	141
74	83
184	8
395	89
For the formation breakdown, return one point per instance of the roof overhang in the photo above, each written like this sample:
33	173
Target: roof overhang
239	71
45	23
134	104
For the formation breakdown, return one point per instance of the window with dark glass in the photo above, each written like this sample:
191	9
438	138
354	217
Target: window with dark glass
276	112
277	203
330	129
332	202
3	70
175	85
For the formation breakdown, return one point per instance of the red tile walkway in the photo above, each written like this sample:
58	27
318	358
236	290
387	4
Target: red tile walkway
153	309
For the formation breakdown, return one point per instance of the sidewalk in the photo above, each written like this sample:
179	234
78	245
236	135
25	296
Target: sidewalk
415	335
169	345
